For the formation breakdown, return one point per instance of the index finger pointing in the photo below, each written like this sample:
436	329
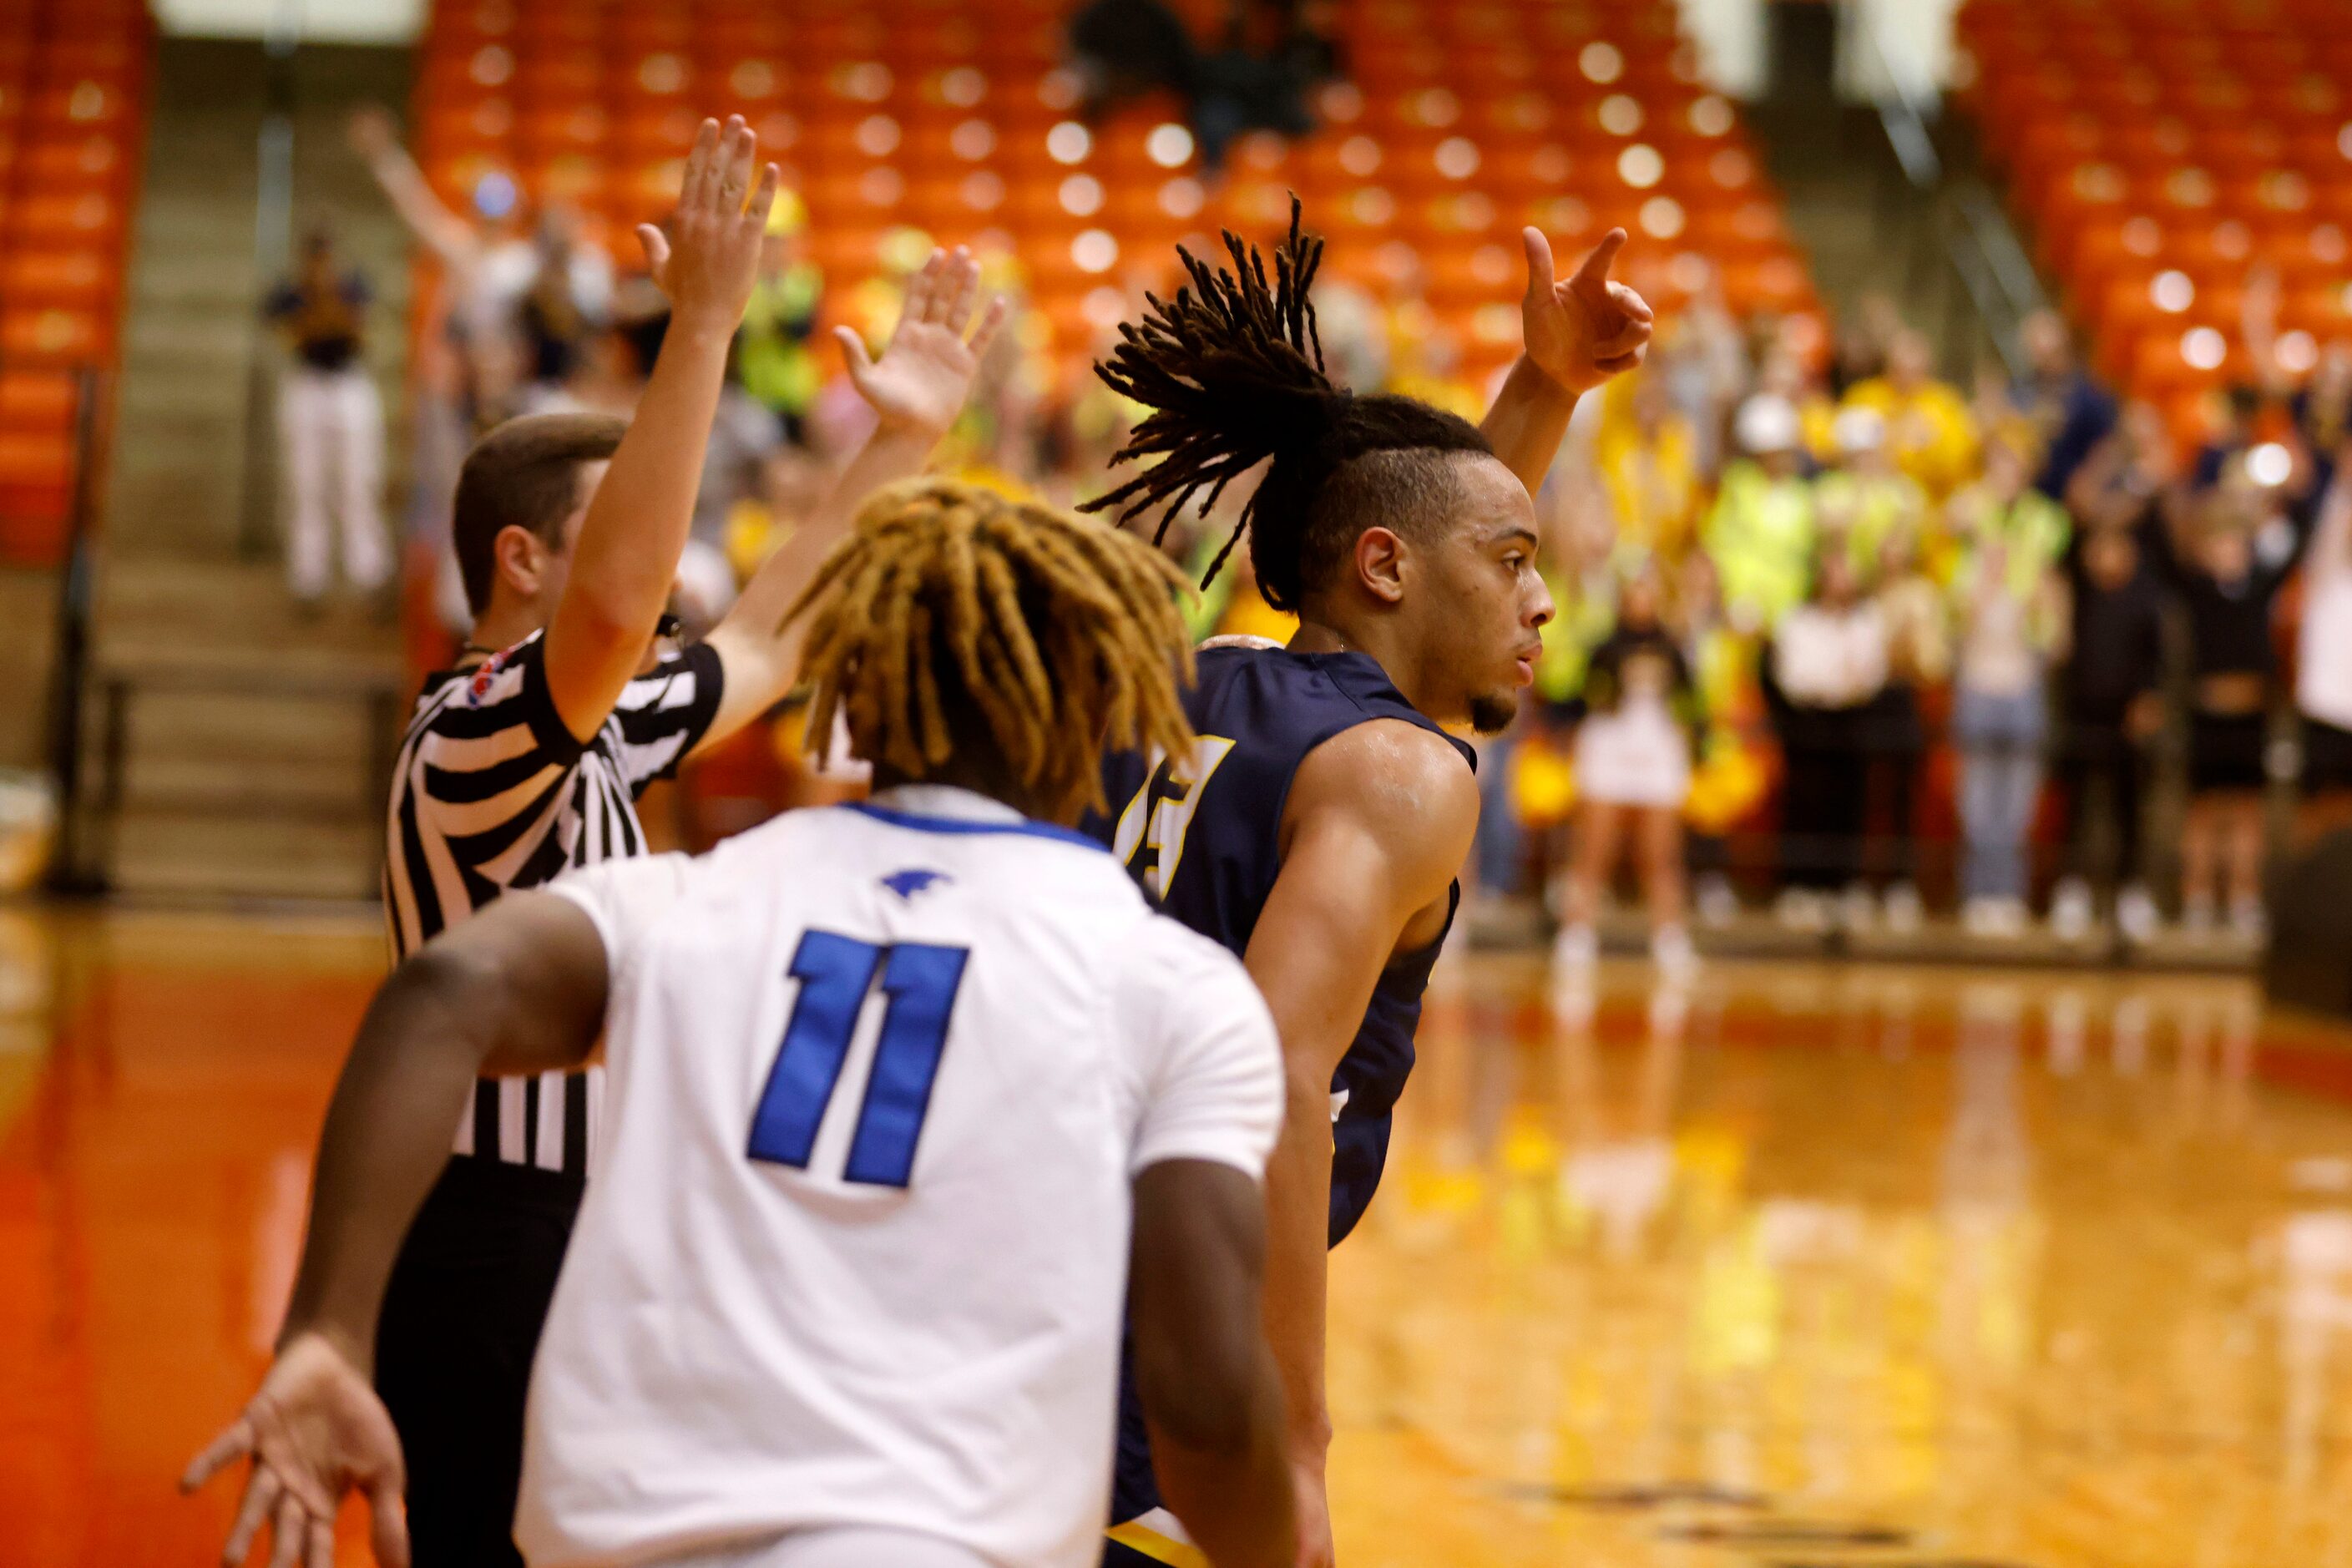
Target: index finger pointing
1596	266
1632	304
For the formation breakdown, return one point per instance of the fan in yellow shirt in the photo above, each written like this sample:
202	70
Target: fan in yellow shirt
1929	427
1647	455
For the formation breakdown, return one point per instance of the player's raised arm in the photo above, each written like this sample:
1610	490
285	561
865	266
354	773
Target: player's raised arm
636	525
519	988
1379	821
1579	332
917	388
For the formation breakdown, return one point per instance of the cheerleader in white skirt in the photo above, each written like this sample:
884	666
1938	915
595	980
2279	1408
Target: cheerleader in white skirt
1632	775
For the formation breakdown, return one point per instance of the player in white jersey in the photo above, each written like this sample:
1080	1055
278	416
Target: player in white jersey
896	1090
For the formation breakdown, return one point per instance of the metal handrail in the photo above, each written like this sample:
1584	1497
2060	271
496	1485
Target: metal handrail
69	677
273	250
1977	238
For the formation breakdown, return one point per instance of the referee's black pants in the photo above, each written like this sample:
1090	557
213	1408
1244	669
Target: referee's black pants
461	1319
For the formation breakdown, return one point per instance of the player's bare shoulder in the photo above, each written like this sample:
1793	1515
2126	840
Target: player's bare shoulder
1407	788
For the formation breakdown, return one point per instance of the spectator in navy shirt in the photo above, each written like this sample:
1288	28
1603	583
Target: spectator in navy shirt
2069	411
330	424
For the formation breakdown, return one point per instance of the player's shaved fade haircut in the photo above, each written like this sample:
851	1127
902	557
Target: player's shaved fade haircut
953	617
1225	369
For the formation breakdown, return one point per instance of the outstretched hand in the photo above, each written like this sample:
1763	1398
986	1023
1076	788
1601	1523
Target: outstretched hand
709	260
314	1431
1582	330
926	370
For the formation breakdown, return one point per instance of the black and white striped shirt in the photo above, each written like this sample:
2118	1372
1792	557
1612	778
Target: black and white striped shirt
492	792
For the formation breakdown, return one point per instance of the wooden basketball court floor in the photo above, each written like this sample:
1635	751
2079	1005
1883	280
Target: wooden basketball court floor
1802	1267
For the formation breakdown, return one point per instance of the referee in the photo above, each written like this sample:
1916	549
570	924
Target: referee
526	761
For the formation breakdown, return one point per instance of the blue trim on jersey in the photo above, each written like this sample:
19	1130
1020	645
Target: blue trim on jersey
963	824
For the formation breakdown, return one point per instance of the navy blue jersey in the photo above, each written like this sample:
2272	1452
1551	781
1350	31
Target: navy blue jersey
1202	838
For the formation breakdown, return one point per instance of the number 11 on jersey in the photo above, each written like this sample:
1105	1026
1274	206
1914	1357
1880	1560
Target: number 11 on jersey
919	984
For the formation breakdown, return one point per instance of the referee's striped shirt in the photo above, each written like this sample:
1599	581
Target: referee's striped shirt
491	792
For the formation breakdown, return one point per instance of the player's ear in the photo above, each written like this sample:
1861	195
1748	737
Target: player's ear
1381	563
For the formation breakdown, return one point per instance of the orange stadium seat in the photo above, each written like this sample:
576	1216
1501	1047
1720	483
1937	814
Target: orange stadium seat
1462	121
2165	154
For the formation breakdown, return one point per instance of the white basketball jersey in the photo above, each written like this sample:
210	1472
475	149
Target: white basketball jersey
855	1244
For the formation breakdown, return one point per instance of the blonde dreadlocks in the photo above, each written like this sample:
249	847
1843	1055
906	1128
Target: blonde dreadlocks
950	603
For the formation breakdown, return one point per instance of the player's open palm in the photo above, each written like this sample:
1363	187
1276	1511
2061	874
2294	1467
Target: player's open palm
926	370
1588	326
710	258
314	1430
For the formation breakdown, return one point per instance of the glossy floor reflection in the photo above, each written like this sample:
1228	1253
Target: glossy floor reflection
1802	1268
1814	1266
162	1081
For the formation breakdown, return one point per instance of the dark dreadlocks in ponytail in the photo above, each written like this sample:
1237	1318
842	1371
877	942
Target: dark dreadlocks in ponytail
1224	369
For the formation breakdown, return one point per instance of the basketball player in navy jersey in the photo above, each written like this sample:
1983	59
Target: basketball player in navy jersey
1318	824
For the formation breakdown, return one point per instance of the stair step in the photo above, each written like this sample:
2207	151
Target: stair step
146	601
251	729
217	855
295	789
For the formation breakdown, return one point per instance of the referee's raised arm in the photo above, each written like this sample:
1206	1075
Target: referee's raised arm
636	528
521	763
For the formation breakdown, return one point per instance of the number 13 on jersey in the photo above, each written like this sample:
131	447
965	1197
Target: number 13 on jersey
837	974
1160	814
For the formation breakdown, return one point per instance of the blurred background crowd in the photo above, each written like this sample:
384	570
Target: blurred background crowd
1933	569
1830	622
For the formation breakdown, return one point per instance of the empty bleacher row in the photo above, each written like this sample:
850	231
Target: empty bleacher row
72	92
2167	152
1457	123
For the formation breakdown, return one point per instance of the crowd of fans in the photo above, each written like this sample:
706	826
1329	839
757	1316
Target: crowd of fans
1875	615
1827	622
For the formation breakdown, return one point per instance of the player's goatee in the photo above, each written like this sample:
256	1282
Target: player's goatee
1491	714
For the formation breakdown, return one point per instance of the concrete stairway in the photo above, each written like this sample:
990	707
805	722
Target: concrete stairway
1866	227
243	738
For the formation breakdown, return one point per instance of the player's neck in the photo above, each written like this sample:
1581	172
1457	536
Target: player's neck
998	784
503	625
1320	630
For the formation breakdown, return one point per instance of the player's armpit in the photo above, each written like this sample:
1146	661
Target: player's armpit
1208	1387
